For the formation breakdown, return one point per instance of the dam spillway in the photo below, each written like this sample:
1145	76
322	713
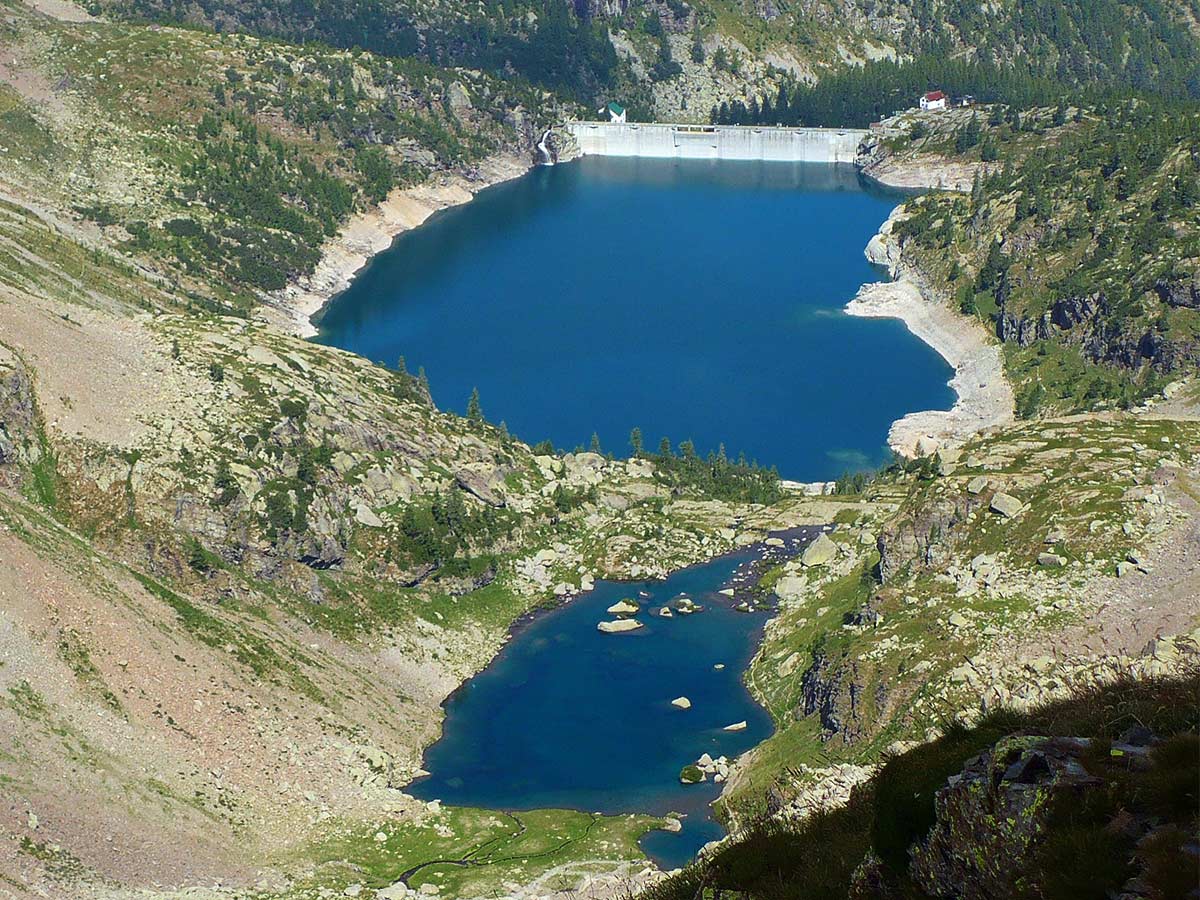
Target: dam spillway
725	142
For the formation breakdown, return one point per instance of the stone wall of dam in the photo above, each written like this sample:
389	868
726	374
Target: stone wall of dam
748	142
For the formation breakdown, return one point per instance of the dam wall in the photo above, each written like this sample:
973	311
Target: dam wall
747	142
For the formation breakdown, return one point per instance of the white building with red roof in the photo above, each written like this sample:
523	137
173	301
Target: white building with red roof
934	100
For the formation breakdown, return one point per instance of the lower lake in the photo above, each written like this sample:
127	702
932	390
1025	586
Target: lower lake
569	717
692	299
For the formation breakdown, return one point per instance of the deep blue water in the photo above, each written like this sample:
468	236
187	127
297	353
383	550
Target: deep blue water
568	717
691	299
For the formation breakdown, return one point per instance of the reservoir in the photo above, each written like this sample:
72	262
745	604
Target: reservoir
692	299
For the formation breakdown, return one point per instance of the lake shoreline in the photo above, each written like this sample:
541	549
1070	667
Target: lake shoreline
754	551
983	395
751	561
370	232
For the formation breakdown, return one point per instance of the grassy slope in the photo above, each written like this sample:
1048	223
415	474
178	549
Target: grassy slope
1081	481
185	147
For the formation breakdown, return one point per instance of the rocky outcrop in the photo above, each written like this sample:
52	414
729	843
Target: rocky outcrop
18	414
559	145
1090	323
997	807
921	538
1179	292
834	691
992	818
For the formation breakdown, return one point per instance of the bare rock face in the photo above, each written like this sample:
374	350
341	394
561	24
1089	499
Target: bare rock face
1181	292
925	538
18	439
991	816
834	691
1087	322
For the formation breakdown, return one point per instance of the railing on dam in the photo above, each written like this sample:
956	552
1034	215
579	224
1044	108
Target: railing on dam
747	142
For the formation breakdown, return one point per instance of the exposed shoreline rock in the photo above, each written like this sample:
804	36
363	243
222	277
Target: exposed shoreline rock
372	231
984	395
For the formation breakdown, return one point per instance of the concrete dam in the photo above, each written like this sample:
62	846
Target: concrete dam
748	142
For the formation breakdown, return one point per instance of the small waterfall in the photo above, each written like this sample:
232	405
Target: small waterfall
545	156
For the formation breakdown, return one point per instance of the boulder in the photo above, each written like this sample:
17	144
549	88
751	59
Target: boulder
991	818
977	485
364	515
681	703
820	552
790	587
458	97
958	620
624	607
1006	505
1051	560
480	485
397	891
736	726
619	626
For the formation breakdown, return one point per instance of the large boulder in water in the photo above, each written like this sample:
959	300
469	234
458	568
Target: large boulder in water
619	626
624	607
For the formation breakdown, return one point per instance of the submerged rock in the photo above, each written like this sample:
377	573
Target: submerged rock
681	703
736	726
